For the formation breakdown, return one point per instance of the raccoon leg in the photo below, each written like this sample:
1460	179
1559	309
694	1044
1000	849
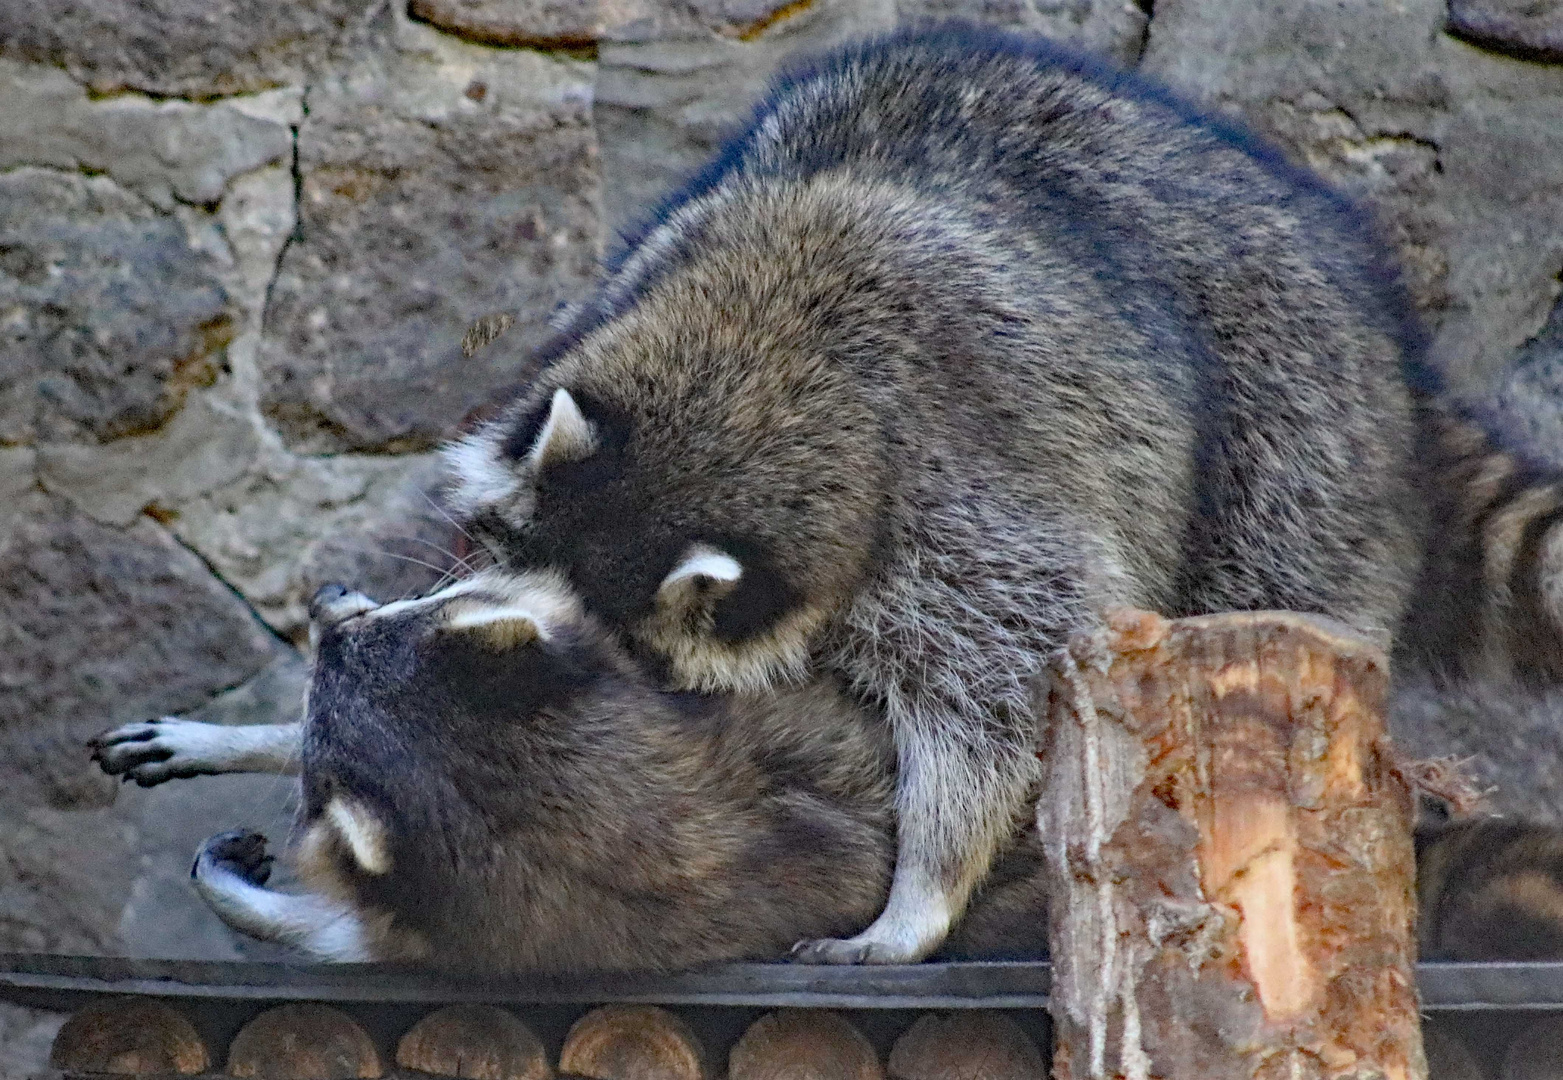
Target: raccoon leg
152	751
230	873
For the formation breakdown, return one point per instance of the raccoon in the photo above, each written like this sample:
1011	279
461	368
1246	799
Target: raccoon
490	784
1489	889
963	341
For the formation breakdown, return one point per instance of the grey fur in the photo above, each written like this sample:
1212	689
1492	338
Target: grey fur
961	344
490	791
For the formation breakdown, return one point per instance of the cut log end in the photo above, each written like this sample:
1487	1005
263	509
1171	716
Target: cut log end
633	1042
966	1046
476	1042
304	1042
796	1044
129	1038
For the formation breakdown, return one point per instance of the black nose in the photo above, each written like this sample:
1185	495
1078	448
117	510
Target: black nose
325	596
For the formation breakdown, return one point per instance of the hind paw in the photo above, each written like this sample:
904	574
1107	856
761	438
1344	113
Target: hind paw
241	853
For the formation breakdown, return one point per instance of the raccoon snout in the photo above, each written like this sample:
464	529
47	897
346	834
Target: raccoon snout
332	603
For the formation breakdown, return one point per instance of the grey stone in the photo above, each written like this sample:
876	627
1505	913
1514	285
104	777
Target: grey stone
538	23
1523	28
1456	148
671	86
25	1038
187	48
108	316
295	523
160	149
425	204
1114	29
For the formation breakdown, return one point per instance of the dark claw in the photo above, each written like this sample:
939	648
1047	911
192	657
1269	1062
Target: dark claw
241	852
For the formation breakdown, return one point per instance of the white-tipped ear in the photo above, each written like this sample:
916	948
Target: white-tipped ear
566	436
703	568
362	832
499	627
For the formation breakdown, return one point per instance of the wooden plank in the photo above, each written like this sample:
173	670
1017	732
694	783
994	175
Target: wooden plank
52	980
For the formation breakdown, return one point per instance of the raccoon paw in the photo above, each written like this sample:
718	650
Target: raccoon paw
858	950
152	751
241	853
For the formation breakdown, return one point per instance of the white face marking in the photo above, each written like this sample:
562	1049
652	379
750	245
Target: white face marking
566	434
702	566
362	832
478	478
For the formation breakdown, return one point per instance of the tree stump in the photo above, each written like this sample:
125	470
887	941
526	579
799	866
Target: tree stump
966	1046
128	1038
303	1042
803	1044
1230	841
476	1042
633	1042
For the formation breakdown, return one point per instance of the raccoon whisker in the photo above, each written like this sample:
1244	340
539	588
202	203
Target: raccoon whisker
440	510
438	569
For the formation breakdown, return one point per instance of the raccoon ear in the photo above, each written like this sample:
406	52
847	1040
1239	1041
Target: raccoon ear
362	832
502	629
703	569
565	436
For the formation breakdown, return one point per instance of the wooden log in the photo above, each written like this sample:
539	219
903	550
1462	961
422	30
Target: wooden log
633	1042
127	1037
304	1042
1230	840
478	1042
803	1044
966	1045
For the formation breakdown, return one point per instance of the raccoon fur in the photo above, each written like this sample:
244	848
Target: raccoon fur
490	784
1489	889
962	342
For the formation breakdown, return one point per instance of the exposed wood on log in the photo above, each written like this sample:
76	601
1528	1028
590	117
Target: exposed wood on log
129	1037
303	1042
633	1042
966	1046
1232	846
798	1044
478	1042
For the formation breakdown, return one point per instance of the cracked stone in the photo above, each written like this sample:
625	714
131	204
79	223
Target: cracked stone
1114	29
162	150
108	315
1452	147
671	87
536	23
1528	29
25	1038
298	523
425	205
183	48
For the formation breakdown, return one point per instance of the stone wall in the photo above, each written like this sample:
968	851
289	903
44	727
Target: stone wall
240	241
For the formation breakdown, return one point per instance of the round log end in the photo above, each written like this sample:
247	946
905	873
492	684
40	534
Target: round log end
127	1038
633	1042
798	1044
304	1042
478	1042
966	1046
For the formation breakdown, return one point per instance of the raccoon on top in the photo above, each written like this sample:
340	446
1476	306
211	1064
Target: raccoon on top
962	342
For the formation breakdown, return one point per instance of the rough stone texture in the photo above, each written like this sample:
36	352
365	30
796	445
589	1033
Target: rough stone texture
108	316
440	182
1456	147
162	149
671	85
191	48
25	1038
537	23
1111	28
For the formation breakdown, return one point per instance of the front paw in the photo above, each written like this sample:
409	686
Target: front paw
858	950
241	853
151	751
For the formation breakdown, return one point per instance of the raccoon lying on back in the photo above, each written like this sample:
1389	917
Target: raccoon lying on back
489	784
961	343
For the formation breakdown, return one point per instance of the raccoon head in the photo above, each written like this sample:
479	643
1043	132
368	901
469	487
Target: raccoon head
434	724
716	512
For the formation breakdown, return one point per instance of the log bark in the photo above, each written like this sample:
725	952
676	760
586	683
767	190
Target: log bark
1230	840
129	1037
